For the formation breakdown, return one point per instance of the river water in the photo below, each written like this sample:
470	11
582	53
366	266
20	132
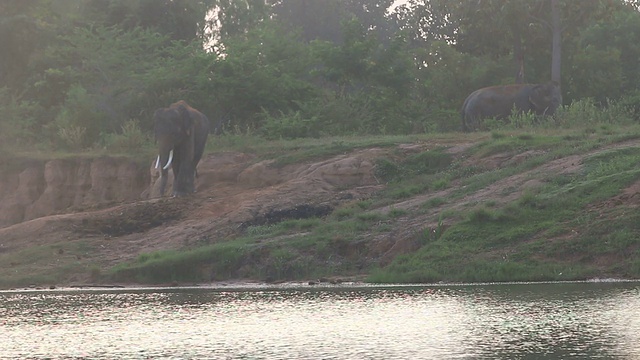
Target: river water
506	321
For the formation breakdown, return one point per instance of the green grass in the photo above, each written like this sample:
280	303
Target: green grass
292	249
45	264
196	265
511	238
287	151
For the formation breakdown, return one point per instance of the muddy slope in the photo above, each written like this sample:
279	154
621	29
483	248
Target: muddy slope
233	192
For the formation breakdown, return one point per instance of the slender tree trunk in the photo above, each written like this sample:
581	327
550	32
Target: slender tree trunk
556	41
518	55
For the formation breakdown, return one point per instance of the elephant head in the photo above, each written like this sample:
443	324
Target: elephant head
181	134
545	98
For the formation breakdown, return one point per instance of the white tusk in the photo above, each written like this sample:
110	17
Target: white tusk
168	161
158	162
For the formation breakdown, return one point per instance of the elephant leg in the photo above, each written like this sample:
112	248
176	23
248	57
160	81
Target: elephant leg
186	180
471	123
191	181
177	179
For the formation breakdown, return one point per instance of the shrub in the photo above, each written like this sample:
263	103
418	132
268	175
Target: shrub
77	125
428	162
130	139
72	137
289	126
585	112
632	103
18	124
387	169
521	120
483	214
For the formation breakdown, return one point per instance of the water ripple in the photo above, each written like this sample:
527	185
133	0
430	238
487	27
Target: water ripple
515	321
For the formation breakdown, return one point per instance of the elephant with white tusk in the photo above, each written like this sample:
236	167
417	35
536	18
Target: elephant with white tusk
181	132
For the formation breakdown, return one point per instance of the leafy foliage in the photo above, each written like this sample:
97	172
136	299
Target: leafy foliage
74	72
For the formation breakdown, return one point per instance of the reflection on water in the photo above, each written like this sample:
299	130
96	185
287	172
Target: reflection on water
517	321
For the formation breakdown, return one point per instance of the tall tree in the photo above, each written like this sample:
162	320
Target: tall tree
231	18
494	28
604	60
20	38
556	47
322	19
179	19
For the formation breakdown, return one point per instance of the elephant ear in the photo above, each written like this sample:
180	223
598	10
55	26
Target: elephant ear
540	97
187	121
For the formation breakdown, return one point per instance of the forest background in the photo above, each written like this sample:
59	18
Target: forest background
88	74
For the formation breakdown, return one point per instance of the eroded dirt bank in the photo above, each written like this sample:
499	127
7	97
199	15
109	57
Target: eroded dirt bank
33	189
94	213
116	215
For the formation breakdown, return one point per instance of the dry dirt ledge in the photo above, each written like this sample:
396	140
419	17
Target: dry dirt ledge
233	192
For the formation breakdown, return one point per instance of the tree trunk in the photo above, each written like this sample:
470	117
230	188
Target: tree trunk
556	41
518	55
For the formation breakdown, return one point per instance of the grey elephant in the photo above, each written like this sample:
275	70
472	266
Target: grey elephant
181	133
499	101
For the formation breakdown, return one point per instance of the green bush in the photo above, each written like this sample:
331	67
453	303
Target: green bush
77	125
131	138
483	214
72	137
585	112
428	162
519	120
289	126
387	169
631	101
18	124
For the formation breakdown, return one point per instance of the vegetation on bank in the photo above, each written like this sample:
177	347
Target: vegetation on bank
559	230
